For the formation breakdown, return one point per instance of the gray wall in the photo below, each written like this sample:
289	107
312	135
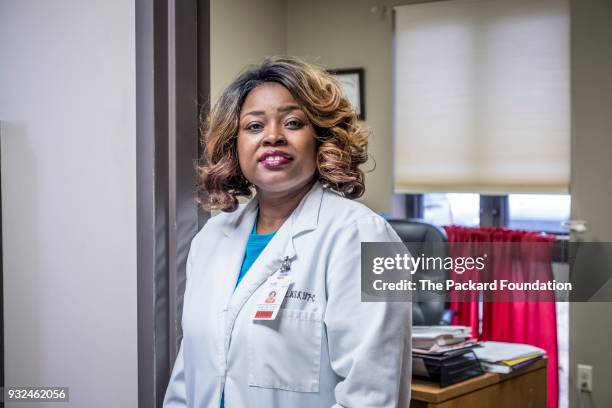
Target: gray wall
591	186
67	106
243	32
346	34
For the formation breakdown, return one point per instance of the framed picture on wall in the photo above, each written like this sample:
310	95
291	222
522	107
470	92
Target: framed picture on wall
352	82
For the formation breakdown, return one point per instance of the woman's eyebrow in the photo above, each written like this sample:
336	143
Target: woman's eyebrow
282	109
254	113
288	108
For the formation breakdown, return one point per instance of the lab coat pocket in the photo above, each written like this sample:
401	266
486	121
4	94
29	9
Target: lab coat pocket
285	353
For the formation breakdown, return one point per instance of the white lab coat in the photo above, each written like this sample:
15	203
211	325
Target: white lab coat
326	348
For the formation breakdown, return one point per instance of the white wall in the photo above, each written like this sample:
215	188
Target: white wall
67	106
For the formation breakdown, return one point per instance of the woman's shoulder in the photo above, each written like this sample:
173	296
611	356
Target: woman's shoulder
216	222
352	220
341	210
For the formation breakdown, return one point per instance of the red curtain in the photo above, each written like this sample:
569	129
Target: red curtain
465	313
519	321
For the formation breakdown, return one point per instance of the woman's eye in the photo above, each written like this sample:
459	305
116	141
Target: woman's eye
294	124
253	127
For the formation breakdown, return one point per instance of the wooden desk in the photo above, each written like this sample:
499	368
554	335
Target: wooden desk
523	388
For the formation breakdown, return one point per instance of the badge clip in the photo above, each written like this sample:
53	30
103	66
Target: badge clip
285	265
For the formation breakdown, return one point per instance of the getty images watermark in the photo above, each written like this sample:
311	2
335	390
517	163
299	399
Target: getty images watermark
502	272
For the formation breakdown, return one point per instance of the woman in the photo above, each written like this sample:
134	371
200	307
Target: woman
286	130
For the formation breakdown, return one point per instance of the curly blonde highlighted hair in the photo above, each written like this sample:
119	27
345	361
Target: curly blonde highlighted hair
341	140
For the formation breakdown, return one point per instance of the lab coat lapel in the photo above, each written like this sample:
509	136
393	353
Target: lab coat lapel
236	232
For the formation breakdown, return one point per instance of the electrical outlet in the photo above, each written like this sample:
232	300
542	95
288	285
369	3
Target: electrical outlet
585	378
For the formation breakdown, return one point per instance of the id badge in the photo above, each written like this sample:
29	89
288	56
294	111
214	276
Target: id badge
273	295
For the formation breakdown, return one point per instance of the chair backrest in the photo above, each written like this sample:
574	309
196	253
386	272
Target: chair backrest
417	231
412	230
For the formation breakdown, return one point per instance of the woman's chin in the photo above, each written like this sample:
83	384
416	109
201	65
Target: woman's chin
279	185
276	187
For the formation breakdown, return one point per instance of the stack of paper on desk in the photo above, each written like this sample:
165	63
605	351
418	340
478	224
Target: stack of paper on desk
499	357
438	339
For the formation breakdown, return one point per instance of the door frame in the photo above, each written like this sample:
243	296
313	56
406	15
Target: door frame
1	291
172	84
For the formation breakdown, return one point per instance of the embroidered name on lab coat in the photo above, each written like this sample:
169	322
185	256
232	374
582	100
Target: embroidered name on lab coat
300	295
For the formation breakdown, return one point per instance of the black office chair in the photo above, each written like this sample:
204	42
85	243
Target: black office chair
417	231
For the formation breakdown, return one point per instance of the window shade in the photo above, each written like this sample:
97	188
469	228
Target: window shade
482	96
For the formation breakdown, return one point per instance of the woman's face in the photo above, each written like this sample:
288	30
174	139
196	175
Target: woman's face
276	142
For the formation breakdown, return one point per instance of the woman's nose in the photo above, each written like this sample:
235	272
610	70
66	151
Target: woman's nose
274	136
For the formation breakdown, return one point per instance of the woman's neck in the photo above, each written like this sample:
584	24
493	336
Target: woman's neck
275	208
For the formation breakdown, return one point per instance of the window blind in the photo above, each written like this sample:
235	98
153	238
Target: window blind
482	96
